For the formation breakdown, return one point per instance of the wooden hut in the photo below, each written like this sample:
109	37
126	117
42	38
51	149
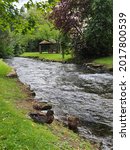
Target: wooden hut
48	46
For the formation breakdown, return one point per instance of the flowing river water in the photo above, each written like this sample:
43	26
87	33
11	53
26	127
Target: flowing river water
72	90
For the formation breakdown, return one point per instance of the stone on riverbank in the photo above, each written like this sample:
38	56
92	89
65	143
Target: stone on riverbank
73	123
42	118
12	74
42	106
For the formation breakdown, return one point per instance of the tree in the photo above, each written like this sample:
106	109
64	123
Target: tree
8	11
11	20
7	19
89	25
6	47
42	29
99	31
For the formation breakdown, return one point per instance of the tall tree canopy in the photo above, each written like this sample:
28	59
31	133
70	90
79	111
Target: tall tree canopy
8	13
89	23
85	24
69	15
38	28
23	29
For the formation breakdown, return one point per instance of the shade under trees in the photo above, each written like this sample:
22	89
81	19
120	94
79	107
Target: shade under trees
89	25
85	26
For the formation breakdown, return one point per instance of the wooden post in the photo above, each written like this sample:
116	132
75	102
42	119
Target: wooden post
40	49
62	51
63	54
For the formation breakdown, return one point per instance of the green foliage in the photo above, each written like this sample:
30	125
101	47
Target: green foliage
98	33
107	61
89	25
13	21
42	30
6	47
4	68
7	13
28	29
85	26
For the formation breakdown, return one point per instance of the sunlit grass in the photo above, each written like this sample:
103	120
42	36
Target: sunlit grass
47	56
4	68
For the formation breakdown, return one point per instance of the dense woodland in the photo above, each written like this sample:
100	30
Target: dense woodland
82	27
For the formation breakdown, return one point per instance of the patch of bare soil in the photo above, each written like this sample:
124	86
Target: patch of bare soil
27	103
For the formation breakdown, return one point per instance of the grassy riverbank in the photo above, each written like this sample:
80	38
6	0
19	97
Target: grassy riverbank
18	132
106	61
46	56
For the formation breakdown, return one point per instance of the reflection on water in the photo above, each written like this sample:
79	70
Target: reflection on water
74	91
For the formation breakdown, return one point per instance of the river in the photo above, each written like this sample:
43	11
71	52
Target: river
72	90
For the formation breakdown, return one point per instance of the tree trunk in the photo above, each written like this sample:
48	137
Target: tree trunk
40	49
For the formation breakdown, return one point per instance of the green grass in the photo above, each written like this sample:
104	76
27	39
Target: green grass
18	132
4	68
107	61
46	56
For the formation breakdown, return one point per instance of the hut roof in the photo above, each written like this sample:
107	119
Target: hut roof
44	42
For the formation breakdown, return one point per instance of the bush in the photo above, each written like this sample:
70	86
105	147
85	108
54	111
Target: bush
6	47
